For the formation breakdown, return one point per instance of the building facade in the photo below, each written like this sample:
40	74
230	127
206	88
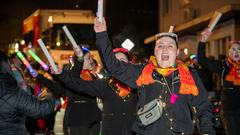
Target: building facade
190	17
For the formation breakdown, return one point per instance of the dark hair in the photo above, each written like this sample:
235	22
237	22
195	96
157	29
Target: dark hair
4	62
6	72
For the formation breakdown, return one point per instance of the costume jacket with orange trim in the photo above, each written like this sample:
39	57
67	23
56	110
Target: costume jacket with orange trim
118	114
177	117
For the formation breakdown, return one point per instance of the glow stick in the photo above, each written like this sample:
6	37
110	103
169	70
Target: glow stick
215	18
35	57
70	37
26	63
171	29
100	10
49	57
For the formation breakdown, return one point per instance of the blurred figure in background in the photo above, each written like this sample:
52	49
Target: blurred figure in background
16	104
229	70
82	115
119	100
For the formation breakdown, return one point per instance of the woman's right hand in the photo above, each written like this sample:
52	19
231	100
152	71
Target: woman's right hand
58	72
78	52
205	35
99	26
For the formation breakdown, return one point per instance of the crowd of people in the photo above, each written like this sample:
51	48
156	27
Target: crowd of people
163	96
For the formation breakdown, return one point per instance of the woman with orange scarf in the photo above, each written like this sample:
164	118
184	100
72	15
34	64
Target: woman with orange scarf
176	88
229	70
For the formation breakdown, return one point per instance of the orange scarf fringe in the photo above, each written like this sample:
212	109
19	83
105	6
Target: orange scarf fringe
86	75
122	89
188	85
234	74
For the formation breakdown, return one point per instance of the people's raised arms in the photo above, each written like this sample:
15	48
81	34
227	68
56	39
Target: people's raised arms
205	35
99	26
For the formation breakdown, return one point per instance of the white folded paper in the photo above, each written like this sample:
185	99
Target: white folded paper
215	18
100	10
49	57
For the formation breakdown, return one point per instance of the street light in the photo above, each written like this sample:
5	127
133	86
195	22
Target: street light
50	20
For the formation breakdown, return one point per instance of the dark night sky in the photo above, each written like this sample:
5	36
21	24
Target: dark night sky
139	16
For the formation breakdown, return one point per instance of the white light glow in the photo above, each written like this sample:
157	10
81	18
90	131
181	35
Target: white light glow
185	51
16	47
128	44
22	42
58	43
50	19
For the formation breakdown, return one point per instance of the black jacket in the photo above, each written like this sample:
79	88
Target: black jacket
118	114
16	104
176	118
81	110
230	93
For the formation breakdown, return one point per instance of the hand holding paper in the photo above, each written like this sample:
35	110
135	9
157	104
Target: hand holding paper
100	26
171	29
76	48
58	72
205	34
49	57
215	18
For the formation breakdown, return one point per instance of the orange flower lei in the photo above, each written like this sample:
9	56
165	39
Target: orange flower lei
188	85
234	74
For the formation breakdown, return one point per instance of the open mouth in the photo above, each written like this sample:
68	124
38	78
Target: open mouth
165	57
236	56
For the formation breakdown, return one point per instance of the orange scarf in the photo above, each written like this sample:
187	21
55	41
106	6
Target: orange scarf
188	85
234	74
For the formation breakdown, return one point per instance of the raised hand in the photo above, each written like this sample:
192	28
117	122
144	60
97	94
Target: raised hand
78	52
99	26
205	35
33	72
56	73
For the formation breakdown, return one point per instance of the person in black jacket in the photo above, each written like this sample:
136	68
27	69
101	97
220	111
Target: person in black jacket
228	69
119	101
169	85
16	104
82	115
